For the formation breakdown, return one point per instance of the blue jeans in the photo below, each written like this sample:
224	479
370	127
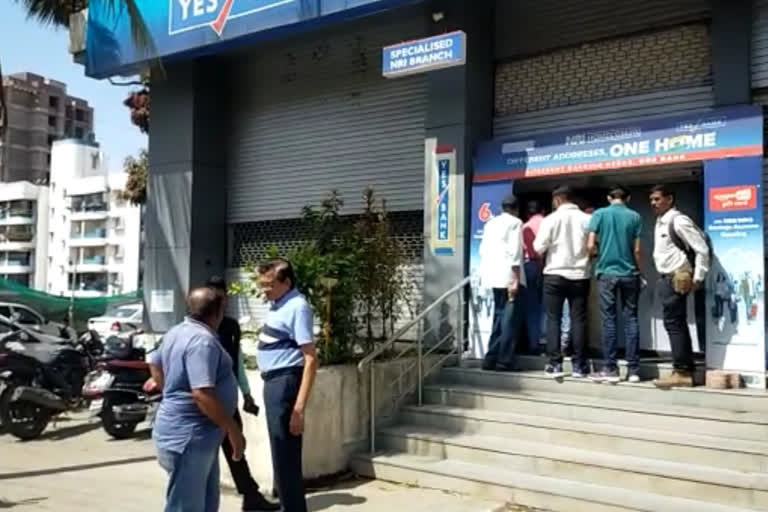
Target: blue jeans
609	288
532	304
193	484
507	324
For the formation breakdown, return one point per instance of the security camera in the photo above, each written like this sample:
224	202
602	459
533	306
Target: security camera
437	17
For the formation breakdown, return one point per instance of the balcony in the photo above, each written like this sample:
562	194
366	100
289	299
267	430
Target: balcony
89	238
14	234
89	208
17	215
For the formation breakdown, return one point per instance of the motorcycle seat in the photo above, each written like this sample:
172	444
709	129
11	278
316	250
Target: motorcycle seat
133	365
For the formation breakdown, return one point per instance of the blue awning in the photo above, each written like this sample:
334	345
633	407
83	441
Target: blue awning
182	29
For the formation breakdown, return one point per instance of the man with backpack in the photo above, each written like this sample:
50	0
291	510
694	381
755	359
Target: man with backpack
682	256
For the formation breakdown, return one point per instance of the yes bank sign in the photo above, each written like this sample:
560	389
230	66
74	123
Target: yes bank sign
187	15
438	52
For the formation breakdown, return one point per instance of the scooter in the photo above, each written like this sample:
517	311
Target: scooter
121	390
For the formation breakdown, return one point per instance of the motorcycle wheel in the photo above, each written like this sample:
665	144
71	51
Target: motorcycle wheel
111	426
23	420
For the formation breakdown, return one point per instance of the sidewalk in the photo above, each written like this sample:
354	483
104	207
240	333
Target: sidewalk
75	467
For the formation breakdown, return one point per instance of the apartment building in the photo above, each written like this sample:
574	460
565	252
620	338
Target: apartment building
94	234
23	232
39	112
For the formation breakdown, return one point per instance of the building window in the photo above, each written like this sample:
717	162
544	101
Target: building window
94	161
79	115
51	138
52	121
79	133
68	128
69	112
53	101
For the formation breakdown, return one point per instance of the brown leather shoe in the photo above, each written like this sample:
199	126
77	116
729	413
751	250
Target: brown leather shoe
678	379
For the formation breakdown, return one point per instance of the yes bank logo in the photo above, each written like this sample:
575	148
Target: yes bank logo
188	15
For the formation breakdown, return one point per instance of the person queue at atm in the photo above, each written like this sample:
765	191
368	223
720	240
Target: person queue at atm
567	247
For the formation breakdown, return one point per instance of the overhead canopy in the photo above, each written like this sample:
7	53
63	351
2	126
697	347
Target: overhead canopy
56	308
189	28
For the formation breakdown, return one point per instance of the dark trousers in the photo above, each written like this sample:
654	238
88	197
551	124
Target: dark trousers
281	388
628	289
531	303
507	324
241	473
674	308
556	290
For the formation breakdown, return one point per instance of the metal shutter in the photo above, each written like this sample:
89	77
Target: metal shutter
643	106
759	56
532	26
316	115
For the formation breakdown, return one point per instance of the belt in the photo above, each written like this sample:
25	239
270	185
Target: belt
280	372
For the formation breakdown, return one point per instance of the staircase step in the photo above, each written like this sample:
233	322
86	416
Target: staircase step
726	486
523	488
744	400
698	420
682	447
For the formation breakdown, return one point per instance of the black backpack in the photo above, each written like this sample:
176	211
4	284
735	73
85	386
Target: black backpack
683	246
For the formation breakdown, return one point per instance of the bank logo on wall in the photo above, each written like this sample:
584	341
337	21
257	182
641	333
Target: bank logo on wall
187	15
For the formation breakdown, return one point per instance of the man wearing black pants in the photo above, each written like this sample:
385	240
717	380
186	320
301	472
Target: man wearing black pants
229	337
562	237
682	258
288	362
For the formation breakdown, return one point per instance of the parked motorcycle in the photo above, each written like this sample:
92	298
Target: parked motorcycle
41	376
121	390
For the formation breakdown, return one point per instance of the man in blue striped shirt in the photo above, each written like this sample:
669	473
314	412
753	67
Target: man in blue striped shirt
288	363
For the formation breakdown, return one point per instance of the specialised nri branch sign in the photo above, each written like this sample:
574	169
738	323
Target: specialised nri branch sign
186	28
422	55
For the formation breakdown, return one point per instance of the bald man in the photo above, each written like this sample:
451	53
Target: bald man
199	400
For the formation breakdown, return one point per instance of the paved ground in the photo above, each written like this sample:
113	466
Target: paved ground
76	467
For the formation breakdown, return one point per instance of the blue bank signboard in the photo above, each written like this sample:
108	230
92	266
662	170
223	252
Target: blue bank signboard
195	27
443	51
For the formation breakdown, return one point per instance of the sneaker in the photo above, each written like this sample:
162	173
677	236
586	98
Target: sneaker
578	373
554	370
256	502
609	376
634	377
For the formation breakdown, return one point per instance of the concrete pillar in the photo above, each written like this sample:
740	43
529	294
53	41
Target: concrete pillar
731	48
460	114
185	226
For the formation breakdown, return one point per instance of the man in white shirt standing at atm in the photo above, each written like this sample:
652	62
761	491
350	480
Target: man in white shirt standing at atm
501	258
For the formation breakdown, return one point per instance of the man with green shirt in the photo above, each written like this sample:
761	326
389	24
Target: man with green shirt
614	240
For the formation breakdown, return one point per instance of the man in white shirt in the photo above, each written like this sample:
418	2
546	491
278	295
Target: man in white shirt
563	238
501	263
682	257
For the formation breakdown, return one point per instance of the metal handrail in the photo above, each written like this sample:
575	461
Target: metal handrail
457	334
410	325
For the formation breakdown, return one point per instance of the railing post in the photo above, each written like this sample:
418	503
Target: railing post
373	409
420	363
460	325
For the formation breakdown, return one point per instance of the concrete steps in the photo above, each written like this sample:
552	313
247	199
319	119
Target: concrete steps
576	445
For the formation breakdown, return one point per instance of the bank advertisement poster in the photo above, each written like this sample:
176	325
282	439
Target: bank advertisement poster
486	203
727	132
735	288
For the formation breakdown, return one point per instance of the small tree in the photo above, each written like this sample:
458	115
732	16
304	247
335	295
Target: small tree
138	172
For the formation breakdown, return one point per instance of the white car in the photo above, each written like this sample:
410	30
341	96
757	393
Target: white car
118	320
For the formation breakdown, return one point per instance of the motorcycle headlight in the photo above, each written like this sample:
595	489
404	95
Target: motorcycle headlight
97	383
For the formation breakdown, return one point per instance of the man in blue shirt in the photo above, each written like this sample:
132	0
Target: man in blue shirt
288	363
199	400
614	238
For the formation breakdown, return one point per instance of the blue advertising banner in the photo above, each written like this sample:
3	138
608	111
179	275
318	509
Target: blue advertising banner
444	200
486	203
443	51
720	133
195	27
735	285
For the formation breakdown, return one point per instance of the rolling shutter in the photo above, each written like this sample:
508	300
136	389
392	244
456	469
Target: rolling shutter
759	57
316	115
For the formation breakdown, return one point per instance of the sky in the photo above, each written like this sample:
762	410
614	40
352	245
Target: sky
25	45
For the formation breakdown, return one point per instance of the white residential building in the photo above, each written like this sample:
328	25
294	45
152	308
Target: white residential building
23	233
94	235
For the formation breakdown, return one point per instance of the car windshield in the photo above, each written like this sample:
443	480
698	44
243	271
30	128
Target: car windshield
124	312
